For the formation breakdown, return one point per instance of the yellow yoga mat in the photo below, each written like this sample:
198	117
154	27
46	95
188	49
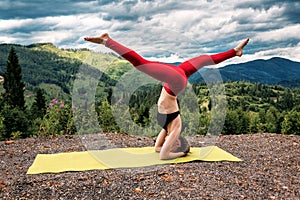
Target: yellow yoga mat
119	158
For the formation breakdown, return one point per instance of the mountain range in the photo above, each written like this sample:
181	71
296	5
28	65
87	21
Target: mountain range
275	71
46	64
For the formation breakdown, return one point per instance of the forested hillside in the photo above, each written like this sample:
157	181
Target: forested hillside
250	108
62	74
44	64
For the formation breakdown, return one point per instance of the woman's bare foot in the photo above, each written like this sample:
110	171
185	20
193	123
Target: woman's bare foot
98	39
239	49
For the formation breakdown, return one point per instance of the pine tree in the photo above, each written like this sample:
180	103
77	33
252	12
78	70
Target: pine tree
38	108
13	85
15	123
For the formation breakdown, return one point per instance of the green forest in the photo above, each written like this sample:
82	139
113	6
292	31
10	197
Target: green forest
49	91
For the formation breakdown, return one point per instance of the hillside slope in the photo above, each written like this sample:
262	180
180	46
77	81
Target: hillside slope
53	69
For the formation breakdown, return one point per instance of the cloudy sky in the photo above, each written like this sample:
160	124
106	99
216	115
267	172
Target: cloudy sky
165	30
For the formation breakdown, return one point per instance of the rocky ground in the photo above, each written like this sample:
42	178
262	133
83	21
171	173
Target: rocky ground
270	170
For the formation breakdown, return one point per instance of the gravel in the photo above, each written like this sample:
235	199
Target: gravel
270	170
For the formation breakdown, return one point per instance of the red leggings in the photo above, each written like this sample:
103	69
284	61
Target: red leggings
174	77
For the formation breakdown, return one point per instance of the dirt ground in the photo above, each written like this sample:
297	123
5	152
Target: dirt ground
270	170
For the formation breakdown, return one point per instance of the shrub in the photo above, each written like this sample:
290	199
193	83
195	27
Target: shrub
57	120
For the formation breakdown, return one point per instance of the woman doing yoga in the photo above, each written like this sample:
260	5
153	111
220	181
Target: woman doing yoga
175	80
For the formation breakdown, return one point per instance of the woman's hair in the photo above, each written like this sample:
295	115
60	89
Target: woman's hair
184	145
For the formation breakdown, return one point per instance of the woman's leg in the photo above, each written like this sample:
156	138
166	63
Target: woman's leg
194	64
160	71
172	75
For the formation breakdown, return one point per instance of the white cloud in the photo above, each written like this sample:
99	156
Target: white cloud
282	34
6	39
168	59
50	36
163	29
292	52
13	23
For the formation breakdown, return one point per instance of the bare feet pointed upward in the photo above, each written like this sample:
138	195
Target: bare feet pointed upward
98	39
239	49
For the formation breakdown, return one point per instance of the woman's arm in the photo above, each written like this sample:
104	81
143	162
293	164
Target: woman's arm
160	140
170	142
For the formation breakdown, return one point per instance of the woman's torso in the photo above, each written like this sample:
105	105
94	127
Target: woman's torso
167	103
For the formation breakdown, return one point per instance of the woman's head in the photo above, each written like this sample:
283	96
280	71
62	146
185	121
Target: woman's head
182	145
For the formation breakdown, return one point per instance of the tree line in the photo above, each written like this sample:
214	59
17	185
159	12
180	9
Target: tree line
249	108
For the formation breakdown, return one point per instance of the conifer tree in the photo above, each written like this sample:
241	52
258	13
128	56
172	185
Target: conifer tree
15	122
38	108
13	85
